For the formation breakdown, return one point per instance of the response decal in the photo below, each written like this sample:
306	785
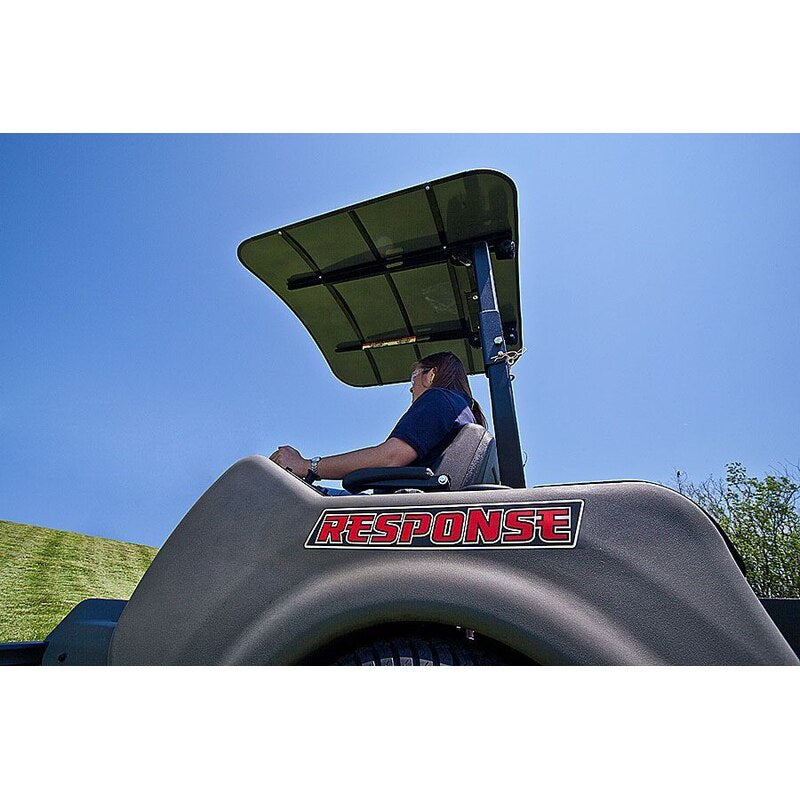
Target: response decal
450	527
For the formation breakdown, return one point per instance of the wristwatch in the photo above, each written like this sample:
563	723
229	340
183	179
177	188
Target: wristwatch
312	475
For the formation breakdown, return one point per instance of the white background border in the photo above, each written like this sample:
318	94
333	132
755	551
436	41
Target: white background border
364	66
575	65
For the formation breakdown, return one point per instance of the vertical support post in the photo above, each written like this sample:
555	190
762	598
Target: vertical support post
504	413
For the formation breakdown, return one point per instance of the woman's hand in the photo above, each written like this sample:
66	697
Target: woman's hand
289	458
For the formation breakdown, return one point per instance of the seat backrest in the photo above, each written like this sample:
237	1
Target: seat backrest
470	458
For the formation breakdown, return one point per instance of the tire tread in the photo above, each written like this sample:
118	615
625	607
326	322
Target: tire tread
407	651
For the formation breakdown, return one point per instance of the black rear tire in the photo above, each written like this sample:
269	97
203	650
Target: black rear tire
422	651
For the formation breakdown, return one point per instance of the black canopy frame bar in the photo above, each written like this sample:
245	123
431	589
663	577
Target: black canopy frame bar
380	266
393	339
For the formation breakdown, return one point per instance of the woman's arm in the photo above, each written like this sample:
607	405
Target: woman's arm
391	453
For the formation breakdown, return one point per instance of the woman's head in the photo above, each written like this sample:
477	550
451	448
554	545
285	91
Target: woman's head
445	371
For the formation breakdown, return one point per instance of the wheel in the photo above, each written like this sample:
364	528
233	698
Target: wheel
419	650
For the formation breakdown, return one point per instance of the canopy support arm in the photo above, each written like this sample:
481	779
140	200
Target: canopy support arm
504	413
399	263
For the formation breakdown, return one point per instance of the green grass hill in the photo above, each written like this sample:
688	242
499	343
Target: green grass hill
44	573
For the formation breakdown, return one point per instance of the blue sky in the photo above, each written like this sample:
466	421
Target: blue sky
660	292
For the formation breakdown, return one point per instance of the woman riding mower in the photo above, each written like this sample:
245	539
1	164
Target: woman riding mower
442	403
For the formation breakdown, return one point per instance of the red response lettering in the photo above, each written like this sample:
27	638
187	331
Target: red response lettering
484	525
553	524
330	532
387	527
520	526
414	525
534	524
447	527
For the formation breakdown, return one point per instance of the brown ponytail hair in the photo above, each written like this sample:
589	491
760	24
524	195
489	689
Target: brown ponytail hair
450	374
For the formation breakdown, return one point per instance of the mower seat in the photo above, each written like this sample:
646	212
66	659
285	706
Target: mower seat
471	458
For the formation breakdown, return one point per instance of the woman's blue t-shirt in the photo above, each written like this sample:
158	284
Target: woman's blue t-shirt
432	422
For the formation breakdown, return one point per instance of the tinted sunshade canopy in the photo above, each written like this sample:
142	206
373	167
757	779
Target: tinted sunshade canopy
383	283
